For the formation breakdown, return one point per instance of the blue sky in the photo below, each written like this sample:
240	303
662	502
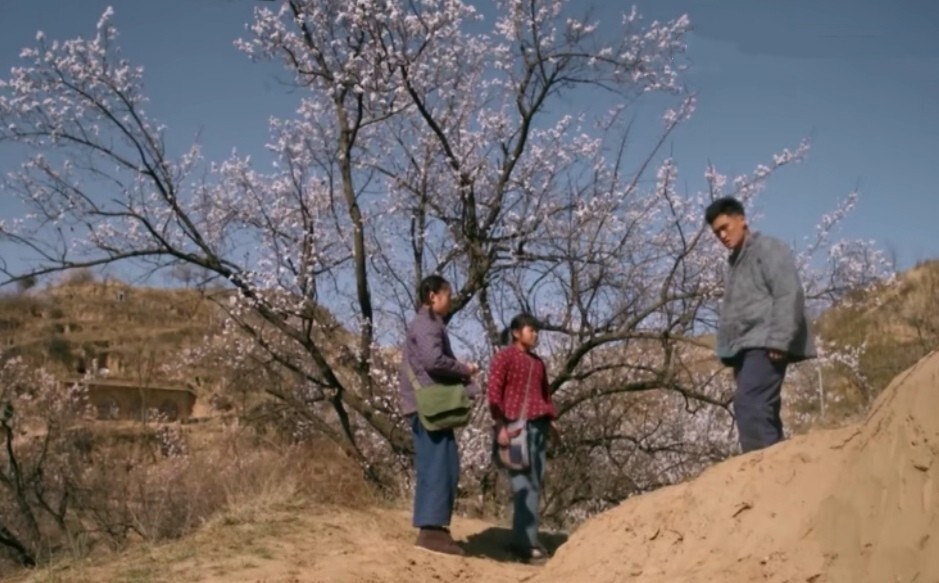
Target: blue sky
861	78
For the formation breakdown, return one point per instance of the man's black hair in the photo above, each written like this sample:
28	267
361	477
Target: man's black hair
727	205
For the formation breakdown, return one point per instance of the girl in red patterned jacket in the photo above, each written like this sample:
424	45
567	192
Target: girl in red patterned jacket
518	390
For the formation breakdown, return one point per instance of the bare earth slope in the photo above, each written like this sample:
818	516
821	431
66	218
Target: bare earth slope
856	504
284	543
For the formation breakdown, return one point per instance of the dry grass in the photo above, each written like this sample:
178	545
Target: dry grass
238	537
147	486
292	541
148	483
899	324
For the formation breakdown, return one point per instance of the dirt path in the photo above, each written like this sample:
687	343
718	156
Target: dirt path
309	545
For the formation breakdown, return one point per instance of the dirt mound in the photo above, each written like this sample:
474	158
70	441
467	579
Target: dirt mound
855	504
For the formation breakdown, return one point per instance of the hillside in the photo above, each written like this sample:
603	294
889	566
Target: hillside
132	333
88	326
848	504
897	324
854	505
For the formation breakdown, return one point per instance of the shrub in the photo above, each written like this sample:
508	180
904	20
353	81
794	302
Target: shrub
68	483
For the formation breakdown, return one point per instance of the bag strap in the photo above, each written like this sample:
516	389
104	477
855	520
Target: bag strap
415	385
531	366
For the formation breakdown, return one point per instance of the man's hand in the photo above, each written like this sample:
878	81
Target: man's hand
776	355
473	368
555	432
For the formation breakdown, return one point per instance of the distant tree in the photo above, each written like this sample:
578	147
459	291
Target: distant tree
60	350
77	276
190	275
27	283
35	500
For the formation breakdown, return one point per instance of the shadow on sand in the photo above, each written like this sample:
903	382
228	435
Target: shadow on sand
493	543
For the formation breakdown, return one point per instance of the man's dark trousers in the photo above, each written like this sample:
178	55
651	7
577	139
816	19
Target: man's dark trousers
757	399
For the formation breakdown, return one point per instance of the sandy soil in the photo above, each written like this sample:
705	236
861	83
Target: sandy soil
851	505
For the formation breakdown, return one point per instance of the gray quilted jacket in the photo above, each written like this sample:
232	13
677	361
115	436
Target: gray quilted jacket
764	303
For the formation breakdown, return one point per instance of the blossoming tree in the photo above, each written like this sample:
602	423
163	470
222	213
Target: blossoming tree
426	139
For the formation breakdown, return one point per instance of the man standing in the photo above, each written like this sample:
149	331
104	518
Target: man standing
763	326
